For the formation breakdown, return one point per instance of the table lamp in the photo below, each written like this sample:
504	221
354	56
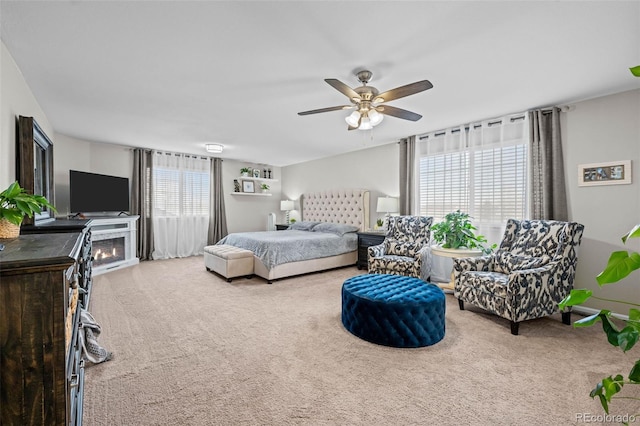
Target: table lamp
286	206
387	205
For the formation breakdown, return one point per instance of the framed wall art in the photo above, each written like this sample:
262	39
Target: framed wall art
605	173
247	186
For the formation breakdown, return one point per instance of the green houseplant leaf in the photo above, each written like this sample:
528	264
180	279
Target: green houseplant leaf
16	203
620	265
456	231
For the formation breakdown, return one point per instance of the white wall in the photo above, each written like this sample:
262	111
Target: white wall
86	156
375	169
247	212
603	129
16	99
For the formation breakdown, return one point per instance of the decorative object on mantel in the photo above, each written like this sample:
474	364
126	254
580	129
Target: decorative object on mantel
387	205
236	185
264	187
269	173
609	173
244	172
256	173
286	206
15	204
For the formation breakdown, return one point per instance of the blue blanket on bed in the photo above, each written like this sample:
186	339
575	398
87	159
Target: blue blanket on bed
278	247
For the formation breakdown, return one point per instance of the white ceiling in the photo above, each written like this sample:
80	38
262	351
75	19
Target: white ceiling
174	75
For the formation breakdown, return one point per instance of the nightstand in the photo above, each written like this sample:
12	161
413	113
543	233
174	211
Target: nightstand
365	240
281	227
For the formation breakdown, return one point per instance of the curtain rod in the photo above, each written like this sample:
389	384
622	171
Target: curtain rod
204	157
475	126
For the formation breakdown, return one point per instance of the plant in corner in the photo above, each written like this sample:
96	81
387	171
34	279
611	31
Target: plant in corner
16	203
456	231
620	264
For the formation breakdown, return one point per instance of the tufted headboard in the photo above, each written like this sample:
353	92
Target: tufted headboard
347	206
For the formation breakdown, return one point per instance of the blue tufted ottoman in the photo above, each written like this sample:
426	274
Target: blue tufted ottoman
393	310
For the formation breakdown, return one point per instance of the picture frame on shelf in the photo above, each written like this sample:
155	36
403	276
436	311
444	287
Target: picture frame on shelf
247	186
605	173
256	174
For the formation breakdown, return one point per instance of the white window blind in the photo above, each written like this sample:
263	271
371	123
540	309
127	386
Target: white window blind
480	169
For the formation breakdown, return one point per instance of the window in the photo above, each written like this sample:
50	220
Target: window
180	190
480	169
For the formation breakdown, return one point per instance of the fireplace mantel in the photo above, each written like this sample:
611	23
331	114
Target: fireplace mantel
114	242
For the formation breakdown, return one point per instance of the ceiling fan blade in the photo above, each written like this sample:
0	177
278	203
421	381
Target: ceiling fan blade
398	112
402	91
316	111
343	88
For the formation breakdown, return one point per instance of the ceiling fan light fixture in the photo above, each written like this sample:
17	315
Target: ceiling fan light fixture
375	117
353	118
365	123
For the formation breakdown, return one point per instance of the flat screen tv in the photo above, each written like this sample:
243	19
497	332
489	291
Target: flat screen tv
95	193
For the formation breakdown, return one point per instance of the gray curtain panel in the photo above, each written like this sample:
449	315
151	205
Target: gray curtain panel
407	156
142	201
548	195
217	215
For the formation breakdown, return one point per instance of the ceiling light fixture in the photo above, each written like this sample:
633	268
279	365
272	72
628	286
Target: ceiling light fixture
215	148
364	119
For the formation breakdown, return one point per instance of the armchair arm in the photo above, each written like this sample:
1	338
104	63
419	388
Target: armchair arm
376	251
424	257
534	293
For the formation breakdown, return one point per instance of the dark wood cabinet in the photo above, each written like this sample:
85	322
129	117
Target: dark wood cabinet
44	281
366	240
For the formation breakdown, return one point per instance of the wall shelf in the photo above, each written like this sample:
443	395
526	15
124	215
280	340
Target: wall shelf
256	179
255	194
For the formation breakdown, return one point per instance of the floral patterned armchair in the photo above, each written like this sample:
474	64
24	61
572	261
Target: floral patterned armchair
526	278
405	250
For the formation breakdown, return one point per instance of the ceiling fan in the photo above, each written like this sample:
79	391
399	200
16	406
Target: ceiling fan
368	103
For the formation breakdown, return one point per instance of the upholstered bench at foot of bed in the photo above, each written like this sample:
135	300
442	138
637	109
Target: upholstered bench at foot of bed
228	261
393	310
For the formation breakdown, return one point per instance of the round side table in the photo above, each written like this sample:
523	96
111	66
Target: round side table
453	253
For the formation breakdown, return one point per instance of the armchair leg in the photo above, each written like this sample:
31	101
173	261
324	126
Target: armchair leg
514	327
461	304
566	318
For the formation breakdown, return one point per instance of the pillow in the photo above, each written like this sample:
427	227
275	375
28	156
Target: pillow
506	262
303	226
401	248
335	228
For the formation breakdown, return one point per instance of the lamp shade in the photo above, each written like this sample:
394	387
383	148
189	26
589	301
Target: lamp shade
387	205
286	205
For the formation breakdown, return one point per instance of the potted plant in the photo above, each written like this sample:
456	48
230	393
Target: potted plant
264	187
244	172
15	204
456	231
620	265
379	223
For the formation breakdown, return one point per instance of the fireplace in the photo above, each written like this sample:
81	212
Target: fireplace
108	251
113	243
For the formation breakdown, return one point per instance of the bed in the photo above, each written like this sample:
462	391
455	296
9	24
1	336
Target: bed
337	213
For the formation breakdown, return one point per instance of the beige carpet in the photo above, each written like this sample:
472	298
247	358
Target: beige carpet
191	349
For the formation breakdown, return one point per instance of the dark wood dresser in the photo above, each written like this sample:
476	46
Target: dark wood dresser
44	281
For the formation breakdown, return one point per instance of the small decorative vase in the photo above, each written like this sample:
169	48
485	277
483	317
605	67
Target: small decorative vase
244	174
8	229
